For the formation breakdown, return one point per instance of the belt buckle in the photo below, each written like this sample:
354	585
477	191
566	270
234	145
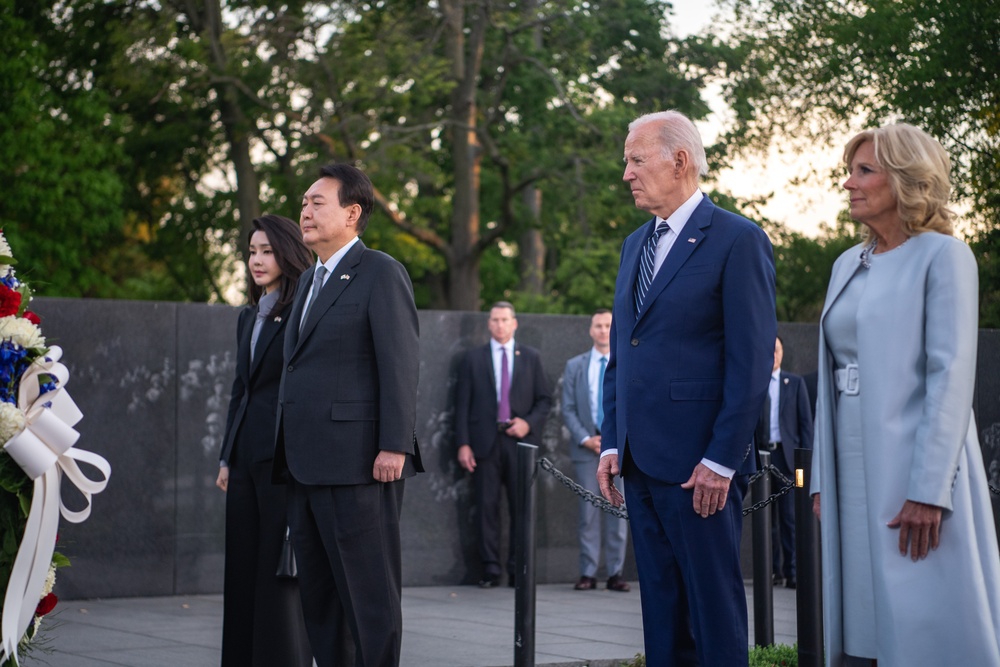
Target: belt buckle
849	380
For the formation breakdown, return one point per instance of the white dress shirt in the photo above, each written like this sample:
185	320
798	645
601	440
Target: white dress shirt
773	394
330	265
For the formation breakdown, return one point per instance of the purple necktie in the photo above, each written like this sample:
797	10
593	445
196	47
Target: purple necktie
503	409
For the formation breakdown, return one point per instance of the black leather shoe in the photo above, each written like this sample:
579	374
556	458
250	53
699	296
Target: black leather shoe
616	582
510	581
490	581
789	583
586	584
778	580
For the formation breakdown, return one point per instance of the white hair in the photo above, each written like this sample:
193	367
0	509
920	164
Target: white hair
676	132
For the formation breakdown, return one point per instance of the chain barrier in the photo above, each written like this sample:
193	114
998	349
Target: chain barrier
622	513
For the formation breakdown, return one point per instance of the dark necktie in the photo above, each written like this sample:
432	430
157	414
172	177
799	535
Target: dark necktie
646	262
503	409
600	394
317	286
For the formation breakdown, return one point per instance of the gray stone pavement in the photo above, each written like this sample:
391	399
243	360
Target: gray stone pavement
443	626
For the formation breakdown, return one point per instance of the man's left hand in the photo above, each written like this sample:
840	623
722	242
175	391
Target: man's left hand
710	490
518	428
388	466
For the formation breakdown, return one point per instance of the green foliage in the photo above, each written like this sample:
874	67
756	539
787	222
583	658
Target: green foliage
775	655
813	71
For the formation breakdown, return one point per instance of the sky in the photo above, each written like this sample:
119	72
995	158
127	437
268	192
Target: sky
800	207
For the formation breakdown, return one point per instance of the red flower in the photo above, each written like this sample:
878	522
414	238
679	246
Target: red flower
10	301
47	604
31	317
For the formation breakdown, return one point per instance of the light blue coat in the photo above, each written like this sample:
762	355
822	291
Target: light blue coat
917	334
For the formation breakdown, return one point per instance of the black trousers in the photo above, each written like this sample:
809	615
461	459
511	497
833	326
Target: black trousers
347	548
494	474
262	623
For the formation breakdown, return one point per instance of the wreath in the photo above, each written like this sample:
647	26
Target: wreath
37	417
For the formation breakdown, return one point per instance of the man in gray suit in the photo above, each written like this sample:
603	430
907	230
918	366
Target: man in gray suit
583	383
346	416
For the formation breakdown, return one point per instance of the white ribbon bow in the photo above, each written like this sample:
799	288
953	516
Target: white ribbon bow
44	450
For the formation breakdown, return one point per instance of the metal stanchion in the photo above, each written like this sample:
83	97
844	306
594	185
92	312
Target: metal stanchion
763	594
524	557
808	595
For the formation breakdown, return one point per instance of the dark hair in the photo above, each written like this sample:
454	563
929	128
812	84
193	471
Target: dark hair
291	254
355	188
600	311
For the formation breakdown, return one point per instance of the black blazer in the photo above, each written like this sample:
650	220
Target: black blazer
349	388
476	397
254	399
795	418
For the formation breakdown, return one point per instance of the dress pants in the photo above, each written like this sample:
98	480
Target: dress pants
262	621
593	520
494	472
691	586
783	522
347	549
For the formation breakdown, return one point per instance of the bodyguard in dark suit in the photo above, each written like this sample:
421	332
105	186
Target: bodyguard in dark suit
582	412
346	419
502	397
786	424
262	622
691	350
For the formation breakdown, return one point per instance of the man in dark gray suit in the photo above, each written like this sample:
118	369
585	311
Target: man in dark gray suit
582	394
502	396
346	416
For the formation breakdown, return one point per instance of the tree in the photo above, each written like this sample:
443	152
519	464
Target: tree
812	69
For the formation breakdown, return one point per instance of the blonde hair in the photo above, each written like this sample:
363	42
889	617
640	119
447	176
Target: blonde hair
918	170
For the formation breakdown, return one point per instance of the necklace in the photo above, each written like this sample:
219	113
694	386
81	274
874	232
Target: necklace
866	254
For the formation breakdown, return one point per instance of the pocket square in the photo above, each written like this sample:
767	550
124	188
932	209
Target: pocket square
345	277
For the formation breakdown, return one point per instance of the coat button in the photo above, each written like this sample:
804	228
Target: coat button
635	342
291	368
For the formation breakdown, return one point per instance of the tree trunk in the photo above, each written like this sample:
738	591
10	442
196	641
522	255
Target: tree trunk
532	246
463	278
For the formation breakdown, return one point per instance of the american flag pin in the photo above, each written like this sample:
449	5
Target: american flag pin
692	240
345	277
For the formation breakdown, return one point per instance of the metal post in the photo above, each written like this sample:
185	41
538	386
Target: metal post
763	594
524	557
808	595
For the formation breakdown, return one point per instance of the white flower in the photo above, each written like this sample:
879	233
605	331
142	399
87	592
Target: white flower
11	421
5	247
21	332
50	581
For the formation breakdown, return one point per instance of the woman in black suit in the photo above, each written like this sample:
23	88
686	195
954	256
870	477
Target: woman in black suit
262	614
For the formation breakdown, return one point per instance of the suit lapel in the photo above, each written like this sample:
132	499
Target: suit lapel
583	391
343	275
487	360
684	245
838	281
270	328
243	360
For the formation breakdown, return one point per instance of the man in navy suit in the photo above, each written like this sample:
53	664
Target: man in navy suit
502	396
786	424
691	350
346	417
582	412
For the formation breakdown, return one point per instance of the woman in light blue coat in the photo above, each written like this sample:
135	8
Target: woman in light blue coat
911	569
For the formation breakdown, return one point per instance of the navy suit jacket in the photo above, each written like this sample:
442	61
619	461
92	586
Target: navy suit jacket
686	380
795	419
476	397
254	398
349	388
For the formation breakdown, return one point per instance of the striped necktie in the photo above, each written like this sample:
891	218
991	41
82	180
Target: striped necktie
646	262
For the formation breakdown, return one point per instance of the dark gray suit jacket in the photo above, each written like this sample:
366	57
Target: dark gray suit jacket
349	388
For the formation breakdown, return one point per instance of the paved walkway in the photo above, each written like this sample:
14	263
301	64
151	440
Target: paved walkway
443	626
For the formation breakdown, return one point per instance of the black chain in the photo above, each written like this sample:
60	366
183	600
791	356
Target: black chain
622	512
994	490
592	498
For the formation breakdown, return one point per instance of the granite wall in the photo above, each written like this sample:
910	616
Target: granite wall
153	381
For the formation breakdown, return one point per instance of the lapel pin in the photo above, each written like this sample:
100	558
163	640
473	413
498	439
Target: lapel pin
345	277
692	240
278	318
786	380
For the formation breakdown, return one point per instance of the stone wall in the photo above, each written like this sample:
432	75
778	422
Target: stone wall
153	382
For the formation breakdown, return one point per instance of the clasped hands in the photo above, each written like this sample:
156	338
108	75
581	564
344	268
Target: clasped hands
710	488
